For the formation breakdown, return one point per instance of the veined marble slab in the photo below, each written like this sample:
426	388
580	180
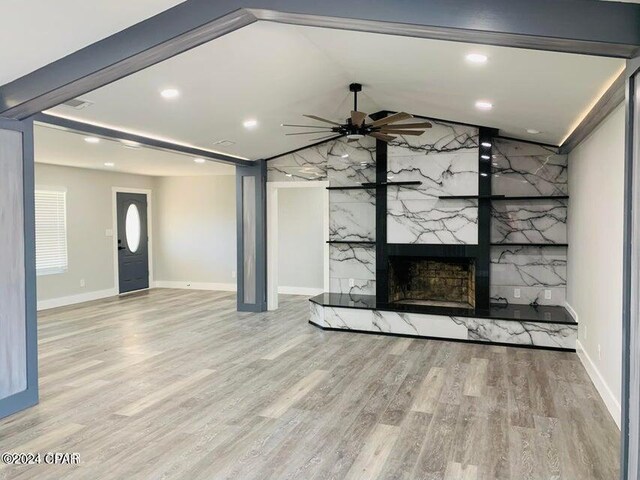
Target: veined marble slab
432	221
537	221
352	261
526	169
533	271
441	326
352	221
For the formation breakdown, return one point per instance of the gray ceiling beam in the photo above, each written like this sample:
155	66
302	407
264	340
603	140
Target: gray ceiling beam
613	97
574	26
110	133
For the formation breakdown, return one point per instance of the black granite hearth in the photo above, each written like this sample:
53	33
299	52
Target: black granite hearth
527	313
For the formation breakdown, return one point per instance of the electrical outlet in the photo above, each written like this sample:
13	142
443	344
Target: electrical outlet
599	353
82	282
516	293
547	294
233	274
352	282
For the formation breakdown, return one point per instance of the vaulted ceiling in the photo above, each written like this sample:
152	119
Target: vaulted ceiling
275	73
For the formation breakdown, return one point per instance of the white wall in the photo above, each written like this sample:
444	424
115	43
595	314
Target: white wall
195	231
300	239
89	215
594	284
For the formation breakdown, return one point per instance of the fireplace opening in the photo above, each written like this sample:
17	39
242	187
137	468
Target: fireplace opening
441	282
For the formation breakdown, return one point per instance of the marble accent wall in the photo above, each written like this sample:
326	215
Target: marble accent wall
539	273
352	213
445	159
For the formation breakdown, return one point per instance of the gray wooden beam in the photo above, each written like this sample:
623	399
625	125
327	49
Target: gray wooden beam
575	26
105	132
613	97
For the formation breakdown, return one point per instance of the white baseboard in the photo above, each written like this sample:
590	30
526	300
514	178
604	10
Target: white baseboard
307	291
605	392
73	299
223	287
603	389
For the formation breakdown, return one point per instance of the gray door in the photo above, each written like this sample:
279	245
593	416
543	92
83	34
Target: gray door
133	242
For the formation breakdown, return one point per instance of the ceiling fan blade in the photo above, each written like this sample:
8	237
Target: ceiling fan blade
396	117
403	132
382	136
306	126
320	119
306	133
357	118
410	125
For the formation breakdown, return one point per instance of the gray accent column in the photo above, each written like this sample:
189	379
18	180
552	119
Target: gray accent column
18	322
251	208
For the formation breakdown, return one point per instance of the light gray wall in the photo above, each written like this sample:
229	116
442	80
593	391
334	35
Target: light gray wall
594	286
300	237
195	229
13	355
89	215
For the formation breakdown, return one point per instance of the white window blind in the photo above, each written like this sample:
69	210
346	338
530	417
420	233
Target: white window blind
51	230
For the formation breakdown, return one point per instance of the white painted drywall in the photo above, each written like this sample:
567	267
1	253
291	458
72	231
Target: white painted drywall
195	231
89	216
595	230
300	239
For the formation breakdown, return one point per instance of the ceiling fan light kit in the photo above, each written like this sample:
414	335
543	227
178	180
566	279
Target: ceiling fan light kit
356	128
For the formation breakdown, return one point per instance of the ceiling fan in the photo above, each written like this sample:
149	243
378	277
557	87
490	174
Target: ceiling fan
355	128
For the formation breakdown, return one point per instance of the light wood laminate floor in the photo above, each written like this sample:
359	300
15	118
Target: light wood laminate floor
175	384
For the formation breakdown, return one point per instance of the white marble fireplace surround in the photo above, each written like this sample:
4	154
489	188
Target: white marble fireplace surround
510	332
445	160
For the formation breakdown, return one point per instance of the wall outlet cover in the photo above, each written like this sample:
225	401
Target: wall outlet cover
82	282
352	282
516	293
233	274
547	294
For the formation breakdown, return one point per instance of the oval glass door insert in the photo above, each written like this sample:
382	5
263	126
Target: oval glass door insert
132	228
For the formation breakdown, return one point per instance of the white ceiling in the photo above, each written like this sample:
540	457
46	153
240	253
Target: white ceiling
35	33
275	73
60	147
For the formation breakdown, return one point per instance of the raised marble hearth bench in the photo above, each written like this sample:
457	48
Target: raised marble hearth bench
519	325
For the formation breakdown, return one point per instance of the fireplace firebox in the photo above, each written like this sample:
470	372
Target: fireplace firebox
442	282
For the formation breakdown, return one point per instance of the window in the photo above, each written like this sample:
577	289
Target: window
51	230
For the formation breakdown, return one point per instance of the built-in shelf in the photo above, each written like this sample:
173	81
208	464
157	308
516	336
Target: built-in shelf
529	244
366	186
361	242
351	187
504	197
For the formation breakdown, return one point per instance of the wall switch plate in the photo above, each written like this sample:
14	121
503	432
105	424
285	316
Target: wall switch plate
516	293
547	294
352	282
82	282
108	232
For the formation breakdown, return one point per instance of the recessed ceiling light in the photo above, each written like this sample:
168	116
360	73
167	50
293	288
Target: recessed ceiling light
92	139
288	175
533	131
484	105
485	157
170	93
250	123
199	160
476	58
484	174
345	155
486	144
109	164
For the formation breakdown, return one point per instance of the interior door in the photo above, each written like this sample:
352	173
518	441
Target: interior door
133	242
